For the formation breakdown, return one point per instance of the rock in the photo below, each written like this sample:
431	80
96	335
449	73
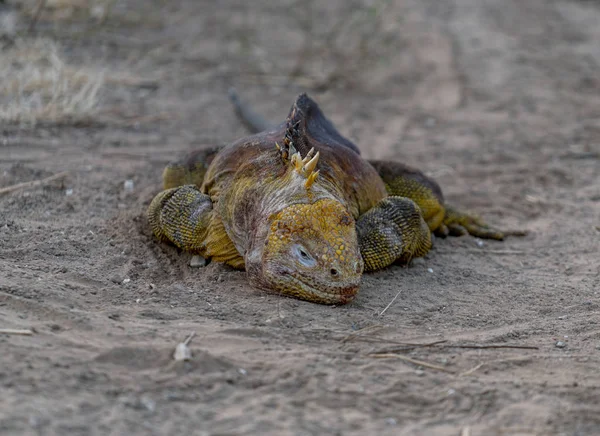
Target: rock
148	403
198	262
182	352
117	279
560	344
391	421
8	23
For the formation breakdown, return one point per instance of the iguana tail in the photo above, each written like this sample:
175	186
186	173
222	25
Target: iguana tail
253	121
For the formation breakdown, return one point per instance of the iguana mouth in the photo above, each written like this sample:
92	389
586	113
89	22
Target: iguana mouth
328	294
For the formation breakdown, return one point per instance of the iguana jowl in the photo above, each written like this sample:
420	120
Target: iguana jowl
301	211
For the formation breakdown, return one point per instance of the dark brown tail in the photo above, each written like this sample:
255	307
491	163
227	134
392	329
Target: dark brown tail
251	120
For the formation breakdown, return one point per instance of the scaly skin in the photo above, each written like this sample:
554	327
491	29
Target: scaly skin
301	211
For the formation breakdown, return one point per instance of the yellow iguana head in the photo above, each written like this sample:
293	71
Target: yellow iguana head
312	253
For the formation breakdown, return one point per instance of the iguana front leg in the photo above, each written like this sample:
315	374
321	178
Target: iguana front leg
181	216
393	230
442	219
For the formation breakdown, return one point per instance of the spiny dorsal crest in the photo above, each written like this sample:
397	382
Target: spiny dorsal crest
290	155
306	167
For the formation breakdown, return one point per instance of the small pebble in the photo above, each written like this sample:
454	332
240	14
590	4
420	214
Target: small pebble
429	270
98	12
69	192
197	262
148	403
560	344
391	421
126	280
479	243
34	421
128	185
182	352
242	371
419	372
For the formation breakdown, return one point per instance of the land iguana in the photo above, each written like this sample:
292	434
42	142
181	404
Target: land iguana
301	211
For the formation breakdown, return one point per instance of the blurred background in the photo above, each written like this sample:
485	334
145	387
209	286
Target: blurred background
498	100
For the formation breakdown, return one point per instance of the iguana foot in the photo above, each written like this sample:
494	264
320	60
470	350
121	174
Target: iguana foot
393	230
443	220
458	223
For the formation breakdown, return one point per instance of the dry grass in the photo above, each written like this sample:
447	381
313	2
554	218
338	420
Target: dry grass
64	10
90	13
37	85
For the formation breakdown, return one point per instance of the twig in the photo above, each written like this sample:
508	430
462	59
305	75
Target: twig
404	345
483	251
476	367
482	347
441	344
411	360
25	332
189	338
390	303
581	155
38	12
361	332
33	183
472	370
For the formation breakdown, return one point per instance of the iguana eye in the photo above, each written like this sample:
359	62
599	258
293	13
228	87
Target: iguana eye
302	256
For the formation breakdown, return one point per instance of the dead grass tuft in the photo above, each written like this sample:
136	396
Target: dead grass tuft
36	85
68	10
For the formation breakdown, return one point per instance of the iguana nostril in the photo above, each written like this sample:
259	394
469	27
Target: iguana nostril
334	272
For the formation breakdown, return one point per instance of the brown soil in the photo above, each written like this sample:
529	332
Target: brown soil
498	100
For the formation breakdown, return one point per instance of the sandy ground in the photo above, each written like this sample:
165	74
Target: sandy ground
498	100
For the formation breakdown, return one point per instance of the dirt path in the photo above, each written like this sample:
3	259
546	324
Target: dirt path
498	100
